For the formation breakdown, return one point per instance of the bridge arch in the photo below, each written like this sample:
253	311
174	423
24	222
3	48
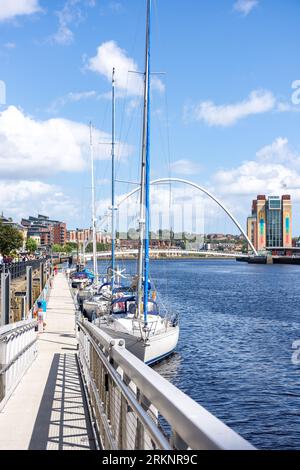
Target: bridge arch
200	188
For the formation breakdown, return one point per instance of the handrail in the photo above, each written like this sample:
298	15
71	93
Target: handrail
12	328
18	269
192	426
17	352
156	435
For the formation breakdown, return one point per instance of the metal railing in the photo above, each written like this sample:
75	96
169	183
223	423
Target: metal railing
19	269
134	408
18	350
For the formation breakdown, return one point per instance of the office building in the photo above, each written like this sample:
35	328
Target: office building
270	224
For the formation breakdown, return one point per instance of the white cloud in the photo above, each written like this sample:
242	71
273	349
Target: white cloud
103	182
245	6
23	198
284	107
31	148
10	45
9	9
185	167
259	101
275	171
110	55
279	151
115	7
71	97
70	15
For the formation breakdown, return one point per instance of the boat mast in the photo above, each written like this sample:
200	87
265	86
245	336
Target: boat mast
95	266
143	262
113	219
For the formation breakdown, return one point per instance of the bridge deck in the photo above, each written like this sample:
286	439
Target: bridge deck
48	409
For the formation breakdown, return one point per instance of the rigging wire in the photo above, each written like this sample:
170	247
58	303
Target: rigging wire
125	131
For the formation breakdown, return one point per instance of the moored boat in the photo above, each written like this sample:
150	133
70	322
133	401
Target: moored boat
148	334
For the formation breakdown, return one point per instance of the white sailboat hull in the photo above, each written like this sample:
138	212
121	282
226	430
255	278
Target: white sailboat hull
158	347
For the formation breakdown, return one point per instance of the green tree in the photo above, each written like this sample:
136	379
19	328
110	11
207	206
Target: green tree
89	248
31	245
10	239
245	246
72	245
67	248
100	247
57	248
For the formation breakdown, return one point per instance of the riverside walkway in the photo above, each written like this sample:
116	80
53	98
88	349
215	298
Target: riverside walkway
48	410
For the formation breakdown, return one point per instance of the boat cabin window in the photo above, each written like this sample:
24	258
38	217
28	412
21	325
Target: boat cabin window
130	307
124	306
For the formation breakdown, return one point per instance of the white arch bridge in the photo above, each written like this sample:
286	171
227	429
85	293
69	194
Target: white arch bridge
202	190
169	253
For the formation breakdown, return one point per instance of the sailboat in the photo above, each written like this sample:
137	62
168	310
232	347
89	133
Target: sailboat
88	292
98	302
137	319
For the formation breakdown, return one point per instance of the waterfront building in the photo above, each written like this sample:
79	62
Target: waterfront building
85	235
60	233
270	225
49	231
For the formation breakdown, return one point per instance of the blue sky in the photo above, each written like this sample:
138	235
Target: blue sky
222	114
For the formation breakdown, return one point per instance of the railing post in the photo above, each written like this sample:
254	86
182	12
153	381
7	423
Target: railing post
3	361
5	298
42	276
23	307
140	435
29	287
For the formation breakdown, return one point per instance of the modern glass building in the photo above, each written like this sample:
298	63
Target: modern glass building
274	222
270	224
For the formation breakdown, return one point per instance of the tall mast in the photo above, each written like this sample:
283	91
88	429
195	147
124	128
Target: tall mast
143	261
113	219
95	266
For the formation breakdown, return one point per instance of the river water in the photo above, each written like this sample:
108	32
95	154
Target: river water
234	357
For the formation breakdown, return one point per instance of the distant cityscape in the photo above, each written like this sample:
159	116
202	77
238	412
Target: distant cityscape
269	227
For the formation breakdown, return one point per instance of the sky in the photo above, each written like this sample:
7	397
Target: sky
225	102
